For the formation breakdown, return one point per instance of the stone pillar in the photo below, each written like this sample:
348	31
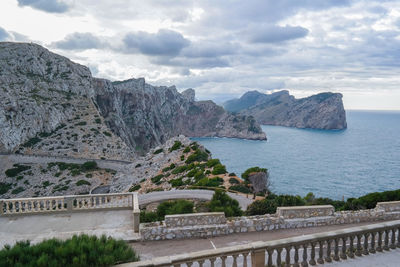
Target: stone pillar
70	203
136	212
1	207
258	258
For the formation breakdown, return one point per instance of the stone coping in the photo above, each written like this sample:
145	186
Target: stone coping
195	214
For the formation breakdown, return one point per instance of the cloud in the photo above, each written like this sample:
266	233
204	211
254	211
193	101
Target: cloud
79	41
163	43
51	6
4	35
276	34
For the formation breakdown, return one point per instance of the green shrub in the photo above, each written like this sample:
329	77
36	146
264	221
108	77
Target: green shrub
77	251
158	151
199	175
212	162
98	121
182	157
107	133
82	182
179	169
81	123
4	187
222	202
272	202
232	174
176	182
89	175
213	182
198	155
175	146
219	169
17	190
240	188
186	150
170	167
233	181
138	165
18	168
148	216
45	184
134	188
31	142
157	178
20	177
167	208
246	174
89	166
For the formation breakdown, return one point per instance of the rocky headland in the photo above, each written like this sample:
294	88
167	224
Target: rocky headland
320	111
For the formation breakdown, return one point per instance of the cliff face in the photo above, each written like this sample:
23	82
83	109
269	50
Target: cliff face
146	116
321	111
51	105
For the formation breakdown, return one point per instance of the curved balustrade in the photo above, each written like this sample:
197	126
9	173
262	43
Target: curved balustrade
66	203
297	251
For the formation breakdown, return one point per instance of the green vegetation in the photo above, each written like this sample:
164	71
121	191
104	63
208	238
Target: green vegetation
213	182
222	202
77	251
232	174
74	168
134	188
186	150
219	169
233	181
89	166
81	123
31	142
167	208
212	162
170	167
18	190
179	169
107	133
156	179
246	174
18	168
158	151
98	121
198	155
82	182
240	188
138	165
175	146
176	182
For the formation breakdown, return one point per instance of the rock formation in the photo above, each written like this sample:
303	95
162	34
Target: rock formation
321	111
51	105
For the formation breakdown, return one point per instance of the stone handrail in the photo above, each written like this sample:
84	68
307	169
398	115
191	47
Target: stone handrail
66	203
304	250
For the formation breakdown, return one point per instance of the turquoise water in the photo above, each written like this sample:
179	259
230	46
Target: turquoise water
349	163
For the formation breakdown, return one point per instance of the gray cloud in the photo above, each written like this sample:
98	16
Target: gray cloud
79	41
162	43
276	34
4	35
51	6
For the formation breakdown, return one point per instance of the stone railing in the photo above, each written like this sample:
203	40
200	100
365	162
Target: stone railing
305	211
304	250
206	218
67	203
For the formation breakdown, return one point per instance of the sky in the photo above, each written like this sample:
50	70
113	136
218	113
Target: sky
224	48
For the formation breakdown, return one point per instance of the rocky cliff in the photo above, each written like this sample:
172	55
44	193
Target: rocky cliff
321	111
51	105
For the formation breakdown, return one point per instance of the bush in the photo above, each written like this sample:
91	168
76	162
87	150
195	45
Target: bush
186	150
167	208
240	188
246	174
98	121
222	202
233	181
273	201
212	162
138	165
82	182
198	155
107	133
232	174
18	168
176	182
89	166
179	169
170	167
157	178
18	190
134	188
4	187
158	151
80	250
214	182
81	123
31	142
175	146
219	169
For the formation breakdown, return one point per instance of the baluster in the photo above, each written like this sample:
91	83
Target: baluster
365	250
278	257
223	259
336	250
358	249
296	256
379	247
13	207
201	262
386	245
269	251
304	262
234	264
20	206
245	259
328	251
372	249
398	237
320	259
287	260
343	254
177	265
351	247
393	240
189	264
312	260
212	261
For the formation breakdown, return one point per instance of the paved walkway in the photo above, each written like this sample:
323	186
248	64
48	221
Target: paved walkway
148	198
118	224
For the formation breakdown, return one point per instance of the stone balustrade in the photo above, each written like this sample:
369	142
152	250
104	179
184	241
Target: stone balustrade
207	218
66	203
302	250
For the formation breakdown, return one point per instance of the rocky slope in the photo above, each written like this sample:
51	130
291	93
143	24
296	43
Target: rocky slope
321	111
51	105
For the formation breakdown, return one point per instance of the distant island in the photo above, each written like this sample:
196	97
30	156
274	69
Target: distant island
320	111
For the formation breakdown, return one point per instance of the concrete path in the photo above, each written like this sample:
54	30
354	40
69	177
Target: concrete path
117	224
189	194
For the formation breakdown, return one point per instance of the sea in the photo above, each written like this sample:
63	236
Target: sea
338	164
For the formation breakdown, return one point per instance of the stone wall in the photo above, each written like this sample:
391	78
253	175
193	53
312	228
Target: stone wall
388	206
305	211
209	224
